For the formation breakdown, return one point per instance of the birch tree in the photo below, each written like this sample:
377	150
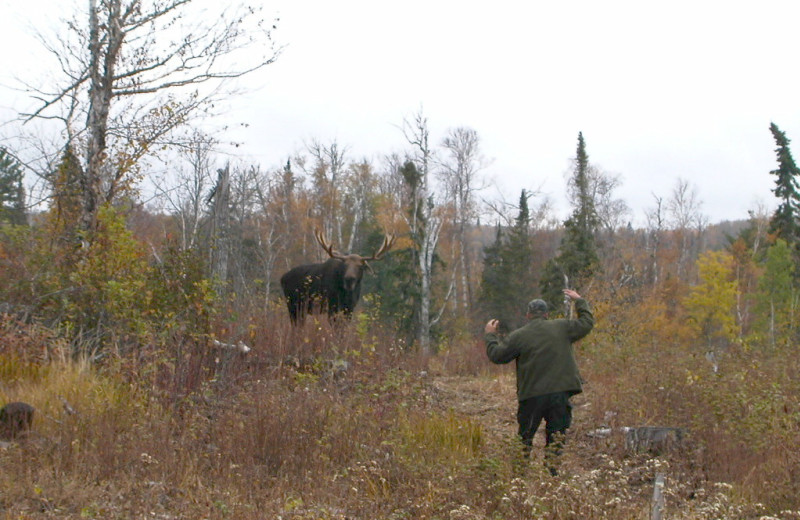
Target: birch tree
425	223
655	230
459	171
134	72
275	195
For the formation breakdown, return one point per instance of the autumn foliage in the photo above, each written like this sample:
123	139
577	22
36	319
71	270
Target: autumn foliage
123	337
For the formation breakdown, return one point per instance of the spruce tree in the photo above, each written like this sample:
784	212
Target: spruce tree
12	192
508	279
393	290
551	283
494	281
65	206
508	282
784	222
518	261
577	259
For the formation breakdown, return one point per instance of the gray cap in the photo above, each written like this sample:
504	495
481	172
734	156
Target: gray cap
537	307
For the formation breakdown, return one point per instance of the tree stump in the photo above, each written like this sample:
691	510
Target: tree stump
654	439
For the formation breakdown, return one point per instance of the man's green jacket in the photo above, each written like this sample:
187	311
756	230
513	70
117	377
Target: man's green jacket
544	353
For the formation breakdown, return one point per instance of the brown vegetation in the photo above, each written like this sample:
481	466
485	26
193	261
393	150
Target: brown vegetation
335	423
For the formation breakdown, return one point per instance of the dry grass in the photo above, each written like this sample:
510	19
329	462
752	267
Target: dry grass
335	422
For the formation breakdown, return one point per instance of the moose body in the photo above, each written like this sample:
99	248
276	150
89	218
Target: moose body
332	287
320	288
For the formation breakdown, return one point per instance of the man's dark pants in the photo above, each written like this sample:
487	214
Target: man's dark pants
556	411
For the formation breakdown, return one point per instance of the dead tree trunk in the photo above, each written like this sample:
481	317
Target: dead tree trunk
220	232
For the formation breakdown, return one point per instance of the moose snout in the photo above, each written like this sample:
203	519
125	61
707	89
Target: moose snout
350	283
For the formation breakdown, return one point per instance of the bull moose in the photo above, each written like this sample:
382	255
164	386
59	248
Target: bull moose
333	286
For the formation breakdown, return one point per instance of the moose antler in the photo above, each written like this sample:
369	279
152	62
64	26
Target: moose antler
388	242
327	246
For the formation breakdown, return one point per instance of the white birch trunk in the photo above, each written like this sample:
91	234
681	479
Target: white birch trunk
433	226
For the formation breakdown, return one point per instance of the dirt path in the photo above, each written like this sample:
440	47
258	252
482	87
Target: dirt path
621	486
490	402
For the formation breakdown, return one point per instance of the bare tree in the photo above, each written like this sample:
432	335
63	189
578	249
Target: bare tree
612	212
185	194
459	173
135	71
275	195
326	172
684	211
543	215
219	243
684	206
655	229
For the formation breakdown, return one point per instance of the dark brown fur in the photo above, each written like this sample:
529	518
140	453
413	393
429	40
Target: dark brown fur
15	419
330	287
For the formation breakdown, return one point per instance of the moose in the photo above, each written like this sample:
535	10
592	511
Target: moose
333	286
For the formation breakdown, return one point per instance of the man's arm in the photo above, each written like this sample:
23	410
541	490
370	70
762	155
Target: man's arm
498	350
581	326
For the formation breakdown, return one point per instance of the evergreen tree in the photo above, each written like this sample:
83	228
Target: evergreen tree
392	290
65	206
508	279
518	261
776	296
494	281
784	222
12	192
551	283
577	259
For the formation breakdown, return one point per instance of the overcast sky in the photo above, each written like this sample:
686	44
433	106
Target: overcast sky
661	91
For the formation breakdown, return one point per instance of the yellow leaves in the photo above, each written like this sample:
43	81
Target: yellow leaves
711	303
692	378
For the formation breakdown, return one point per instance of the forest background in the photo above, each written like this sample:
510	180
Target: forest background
118	306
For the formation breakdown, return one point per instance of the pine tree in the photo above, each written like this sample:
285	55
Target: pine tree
577	259
12	192
784	222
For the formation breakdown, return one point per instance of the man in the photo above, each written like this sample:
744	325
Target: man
547	373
